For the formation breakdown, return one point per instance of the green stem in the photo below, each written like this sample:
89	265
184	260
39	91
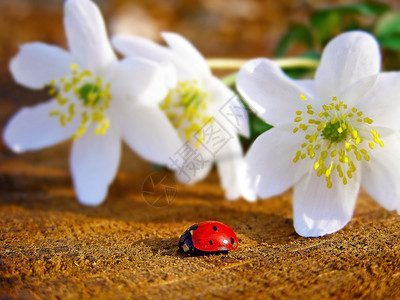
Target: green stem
230	79
235	64
286	63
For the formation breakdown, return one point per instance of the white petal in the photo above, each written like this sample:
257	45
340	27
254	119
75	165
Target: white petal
189	54
36	64
134	46
381	175
270	161
269	92
87	36
32	128
148	132
353	94
94	164
382	102
230	165
318	210
140	80
310	88
170	75
307	85
229	106
345	60
195	164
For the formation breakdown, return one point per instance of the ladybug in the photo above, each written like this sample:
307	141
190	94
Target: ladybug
207	237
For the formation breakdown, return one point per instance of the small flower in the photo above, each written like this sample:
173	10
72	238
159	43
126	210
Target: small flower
96	101
194	106
330	135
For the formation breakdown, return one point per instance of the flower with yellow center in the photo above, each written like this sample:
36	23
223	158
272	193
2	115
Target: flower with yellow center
195	101
330	135
96	100
335	136
188	108
82	91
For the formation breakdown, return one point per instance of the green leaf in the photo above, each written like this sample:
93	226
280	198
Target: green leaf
325	22
328	22
257	126
296	33
387	31
365	9
392	43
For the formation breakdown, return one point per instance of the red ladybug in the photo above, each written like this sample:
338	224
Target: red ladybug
210	236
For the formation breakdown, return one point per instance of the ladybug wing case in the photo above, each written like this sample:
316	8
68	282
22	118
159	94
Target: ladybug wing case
208	236
214	236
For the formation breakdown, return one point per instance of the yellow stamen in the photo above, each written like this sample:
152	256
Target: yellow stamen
187	108
335	139
93	99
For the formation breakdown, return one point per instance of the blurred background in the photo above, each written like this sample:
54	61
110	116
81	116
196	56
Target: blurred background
218	28
228	28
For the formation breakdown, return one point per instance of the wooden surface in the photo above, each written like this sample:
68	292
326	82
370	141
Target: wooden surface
52	247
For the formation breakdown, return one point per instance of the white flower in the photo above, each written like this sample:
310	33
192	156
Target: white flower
199	104
330	135
97	100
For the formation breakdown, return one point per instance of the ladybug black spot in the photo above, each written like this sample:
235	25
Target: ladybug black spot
215	228
210	241
232	240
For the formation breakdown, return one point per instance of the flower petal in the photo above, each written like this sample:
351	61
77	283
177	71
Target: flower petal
270	165
148	132
32	128
36	64
346	59
318	210
94	164
195	167
307	85
140	80
382	103
353	94
87	36
269	92
134	46
230	164
381	175
189	54
229	106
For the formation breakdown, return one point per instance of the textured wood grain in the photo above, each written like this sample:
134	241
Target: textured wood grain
52	247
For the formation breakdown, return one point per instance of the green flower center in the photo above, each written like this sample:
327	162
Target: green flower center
334	132
89	93
335	138
81	89
187	108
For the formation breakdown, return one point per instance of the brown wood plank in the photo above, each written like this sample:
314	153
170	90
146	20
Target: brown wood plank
53	247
